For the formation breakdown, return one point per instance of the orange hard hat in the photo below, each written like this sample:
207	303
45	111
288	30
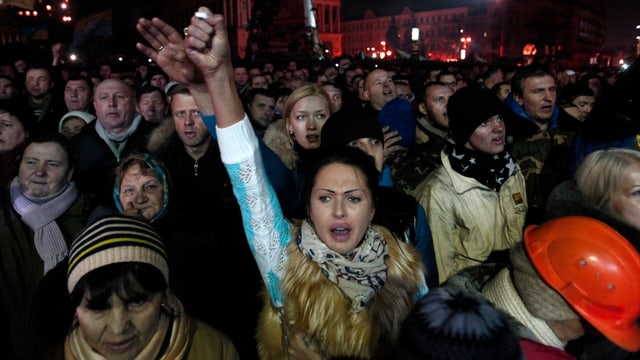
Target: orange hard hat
595	269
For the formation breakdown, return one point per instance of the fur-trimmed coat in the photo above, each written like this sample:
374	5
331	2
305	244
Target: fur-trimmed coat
317	307
311	303
278	139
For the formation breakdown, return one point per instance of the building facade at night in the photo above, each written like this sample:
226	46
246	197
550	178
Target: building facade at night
491	29
488	29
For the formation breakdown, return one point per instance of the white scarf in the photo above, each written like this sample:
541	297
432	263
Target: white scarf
116	142
40	217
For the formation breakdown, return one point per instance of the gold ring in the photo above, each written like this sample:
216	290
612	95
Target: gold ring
160	48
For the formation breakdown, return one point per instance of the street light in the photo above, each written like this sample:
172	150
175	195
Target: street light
463	51
415	34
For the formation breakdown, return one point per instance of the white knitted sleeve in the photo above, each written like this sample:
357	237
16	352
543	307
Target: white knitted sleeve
266	228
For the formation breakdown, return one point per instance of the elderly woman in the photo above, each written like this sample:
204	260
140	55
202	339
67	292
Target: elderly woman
142	187
118	279
42	210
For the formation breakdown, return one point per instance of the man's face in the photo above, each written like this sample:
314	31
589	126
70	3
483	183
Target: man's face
379	88
189	125
241	76
259	81
449	80
488	137
152	106
538	97
77	95
38	82
262	109
7	90
434	105
335	95
105	71
403	90
158	81
115	105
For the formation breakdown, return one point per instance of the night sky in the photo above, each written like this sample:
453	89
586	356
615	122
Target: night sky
622	15
622	18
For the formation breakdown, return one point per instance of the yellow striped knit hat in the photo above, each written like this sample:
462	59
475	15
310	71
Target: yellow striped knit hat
115	239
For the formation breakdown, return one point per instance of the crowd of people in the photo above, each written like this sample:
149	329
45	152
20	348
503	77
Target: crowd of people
207	207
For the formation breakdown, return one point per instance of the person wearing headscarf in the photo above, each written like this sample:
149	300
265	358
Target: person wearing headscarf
72	122
142	187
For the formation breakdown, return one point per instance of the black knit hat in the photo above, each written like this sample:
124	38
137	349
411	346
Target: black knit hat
468	108
449	323
349	124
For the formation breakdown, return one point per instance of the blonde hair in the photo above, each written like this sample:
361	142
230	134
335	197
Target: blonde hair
602	173
303	92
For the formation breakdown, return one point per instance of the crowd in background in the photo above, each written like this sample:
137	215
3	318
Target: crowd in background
502	196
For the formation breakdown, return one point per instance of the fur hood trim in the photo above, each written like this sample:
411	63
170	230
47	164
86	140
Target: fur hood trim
278	139
160	136
317	308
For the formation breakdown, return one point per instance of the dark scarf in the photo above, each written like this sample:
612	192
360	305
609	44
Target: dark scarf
490	170
306	157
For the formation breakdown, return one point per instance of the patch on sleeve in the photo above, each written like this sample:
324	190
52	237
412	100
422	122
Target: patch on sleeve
517	198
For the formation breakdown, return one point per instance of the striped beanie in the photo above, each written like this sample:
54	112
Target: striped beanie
115	239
